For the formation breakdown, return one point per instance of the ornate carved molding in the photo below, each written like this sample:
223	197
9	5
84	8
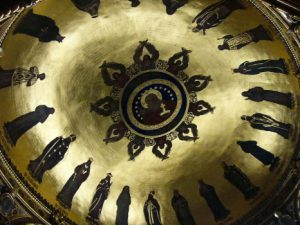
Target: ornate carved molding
8	18
17	9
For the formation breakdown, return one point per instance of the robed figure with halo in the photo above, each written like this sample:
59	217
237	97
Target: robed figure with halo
99	198
80	175
152	210
18	76
19	126
53	153
123	203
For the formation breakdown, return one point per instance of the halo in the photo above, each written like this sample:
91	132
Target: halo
148	92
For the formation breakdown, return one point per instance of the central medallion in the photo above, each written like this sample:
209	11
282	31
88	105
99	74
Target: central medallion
154	103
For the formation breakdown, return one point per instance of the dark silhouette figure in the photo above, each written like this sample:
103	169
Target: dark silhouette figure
115	133
239	41
9	78
182	210
152	210
146	62
175	64
99	198
104	106
89	6
162	148
215	14
81	173
16	128
240	180
173	5
209	194
118	77
261	66
200	108
53	153
41	27
259	153
135	3
258	94
135	148
187	132
263	122
197	83
123	203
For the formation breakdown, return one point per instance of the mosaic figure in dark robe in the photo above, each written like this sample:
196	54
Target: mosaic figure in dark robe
16	128
99	198
264	122
215	14
261	66
80	175
258	94
18	76
182	209
147	61
41	27
173	5
240	180
123	203
152	210
267	158
135	3
53	153
239	41
89	6
216	206
175	64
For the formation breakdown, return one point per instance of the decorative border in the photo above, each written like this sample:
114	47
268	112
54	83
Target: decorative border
289	183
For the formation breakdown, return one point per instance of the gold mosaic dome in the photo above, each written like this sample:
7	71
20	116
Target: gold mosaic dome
149	112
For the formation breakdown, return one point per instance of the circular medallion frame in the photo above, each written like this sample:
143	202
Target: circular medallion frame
151	81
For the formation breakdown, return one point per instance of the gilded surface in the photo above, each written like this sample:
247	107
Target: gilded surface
73	82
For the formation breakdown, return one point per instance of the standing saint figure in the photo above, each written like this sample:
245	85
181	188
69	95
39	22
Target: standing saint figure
99	198
81	173
182	209
123	203
16	128
264	122
53	153
173	5
89	6
261	66
240	180
135	3
9	78
215	14
41	27
258	94
147	62
152	210
239	41
216	206
175	64
259	153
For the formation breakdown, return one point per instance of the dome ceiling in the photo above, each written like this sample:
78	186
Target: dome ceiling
150	110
